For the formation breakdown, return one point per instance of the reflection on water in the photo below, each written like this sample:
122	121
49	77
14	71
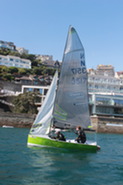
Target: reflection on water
60	166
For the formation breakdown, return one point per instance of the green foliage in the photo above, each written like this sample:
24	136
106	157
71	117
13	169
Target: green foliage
25	103
15	72
3	69
37	70
31	57
50	71
9	73
12	70
23	71
4	51
7	77
14	53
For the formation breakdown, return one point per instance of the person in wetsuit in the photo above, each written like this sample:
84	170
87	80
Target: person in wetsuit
81	135
60	136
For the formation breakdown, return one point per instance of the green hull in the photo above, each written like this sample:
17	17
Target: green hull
47	142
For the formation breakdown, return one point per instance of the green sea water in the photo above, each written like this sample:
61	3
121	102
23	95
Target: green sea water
20	165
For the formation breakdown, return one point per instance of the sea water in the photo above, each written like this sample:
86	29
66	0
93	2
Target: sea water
20	165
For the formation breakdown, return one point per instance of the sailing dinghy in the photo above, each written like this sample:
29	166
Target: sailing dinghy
66	103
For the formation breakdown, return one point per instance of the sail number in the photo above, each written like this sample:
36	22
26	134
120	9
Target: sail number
79	80
78	70
77	77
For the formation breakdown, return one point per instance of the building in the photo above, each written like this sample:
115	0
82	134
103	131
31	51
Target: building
22	50
106	104
107	70
104	84
105	91
40	89
8	45
44	58
105	80
105	94
13	61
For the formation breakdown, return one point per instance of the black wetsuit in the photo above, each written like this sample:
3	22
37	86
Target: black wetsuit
81	136
60	136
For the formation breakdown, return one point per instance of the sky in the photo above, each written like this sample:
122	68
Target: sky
41	26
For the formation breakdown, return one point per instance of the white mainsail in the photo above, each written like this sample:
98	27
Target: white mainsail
42	122
71	103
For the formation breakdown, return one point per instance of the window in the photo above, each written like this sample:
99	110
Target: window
102	101
118	102
41	91
31	89
118	110
104	110
45	91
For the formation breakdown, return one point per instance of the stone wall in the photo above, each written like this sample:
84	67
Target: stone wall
10	86
103	124
99	123
16	120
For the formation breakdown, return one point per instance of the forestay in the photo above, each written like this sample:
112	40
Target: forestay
42	122
71	104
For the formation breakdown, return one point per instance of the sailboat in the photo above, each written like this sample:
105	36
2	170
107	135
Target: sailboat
66	103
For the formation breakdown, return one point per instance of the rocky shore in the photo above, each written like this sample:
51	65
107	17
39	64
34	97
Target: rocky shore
101	124
16	120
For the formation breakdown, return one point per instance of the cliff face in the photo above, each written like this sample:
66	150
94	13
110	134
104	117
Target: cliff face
16	120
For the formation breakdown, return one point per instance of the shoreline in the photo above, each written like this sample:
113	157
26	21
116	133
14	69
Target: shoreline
101	124
17	120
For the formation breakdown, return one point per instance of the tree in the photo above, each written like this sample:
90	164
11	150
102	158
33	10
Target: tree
4	51
13	70
23	71
25	103
4	69
37	70
7	77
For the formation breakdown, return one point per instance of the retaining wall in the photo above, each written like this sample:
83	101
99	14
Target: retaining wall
16	120
100	123
105	124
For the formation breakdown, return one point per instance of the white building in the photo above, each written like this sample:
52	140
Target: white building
105	91
8	45
22	50
34	88
104	84
13	61
44	58
106	104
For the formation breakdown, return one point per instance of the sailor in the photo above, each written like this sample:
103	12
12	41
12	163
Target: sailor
81	135
60	136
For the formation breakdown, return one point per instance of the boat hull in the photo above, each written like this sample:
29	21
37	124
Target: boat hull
48	142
